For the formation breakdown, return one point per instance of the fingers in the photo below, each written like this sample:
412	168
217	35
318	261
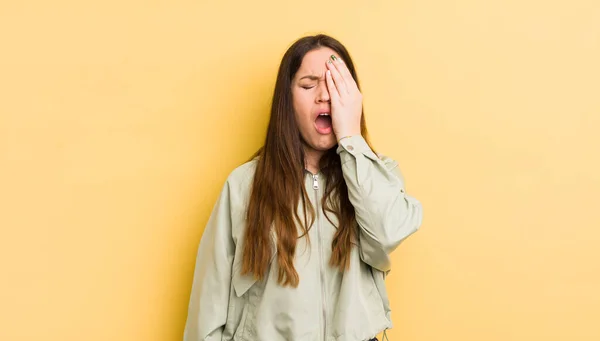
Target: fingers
333	91
338	64
340	83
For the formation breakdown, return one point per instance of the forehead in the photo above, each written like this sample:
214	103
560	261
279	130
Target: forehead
314	61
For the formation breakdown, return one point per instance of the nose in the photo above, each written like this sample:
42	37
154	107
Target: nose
322	93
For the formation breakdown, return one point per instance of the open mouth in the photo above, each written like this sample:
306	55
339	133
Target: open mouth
323	123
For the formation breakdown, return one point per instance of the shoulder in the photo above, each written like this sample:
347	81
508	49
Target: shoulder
239	180
243	172
238	187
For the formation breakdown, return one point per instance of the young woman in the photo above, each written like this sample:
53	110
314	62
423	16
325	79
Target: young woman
298	244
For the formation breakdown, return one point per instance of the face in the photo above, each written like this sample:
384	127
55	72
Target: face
311	101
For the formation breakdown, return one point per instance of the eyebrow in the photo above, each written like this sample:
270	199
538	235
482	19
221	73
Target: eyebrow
311	77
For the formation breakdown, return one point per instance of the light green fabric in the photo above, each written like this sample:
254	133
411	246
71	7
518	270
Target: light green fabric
327	305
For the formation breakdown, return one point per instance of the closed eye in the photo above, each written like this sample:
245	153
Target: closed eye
307	87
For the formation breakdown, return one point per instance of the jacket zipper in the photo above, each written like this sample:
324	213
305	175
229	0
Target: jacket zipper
321	274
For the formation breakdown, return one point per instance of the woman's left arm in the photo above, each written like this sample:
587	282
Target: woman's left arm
385	213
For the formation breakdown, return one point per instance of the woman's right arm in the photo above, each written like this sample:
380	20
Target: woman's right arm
209	299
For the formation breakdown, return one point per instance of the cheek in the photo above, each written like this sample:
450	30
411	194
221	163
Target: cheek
302	106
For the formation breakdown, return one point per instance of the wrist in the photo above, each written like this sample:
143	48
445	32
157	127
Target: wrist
345	136
342	138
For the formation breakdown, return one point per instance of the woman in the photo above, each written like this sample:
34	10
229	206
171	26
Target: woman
298	244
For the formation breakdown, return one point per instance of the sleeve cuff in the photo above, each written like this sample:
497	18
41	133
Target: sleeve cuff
355	145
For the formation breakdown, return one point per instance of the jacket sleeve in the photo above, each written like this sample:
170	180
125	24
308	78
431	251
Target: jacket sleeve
209	299
386	215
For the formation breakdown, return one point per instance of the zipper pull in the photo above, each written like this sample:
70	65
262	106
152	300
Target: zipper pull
315	182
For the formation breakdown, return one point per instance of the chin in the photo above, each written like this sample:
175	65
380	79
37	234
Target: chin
324	143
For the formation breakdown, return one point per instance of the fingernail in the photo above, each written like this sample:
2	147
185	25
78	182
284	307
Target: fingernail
333	57
329	61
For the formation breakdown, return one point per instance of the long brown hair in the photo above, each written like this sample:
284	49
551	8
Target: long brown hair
278	185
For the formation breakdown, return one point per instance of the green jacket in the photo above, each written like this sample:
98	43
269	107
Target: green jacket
327	305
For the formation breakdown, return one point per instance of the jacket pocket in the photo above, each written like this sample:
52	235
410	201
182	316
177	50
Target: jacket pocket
241	283
247	293
379	304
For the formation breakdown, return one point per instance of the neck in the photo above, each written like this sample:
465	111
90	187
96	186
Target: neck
312	158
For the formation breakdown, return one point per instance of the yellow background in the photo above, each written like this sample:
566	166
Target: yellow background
120	120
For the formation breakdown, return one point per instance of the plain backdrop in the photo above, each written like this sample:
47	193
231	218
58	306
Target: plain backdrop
120	120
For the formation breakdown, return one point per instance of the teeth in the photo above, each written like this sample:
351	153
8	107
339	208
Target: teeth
324	114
